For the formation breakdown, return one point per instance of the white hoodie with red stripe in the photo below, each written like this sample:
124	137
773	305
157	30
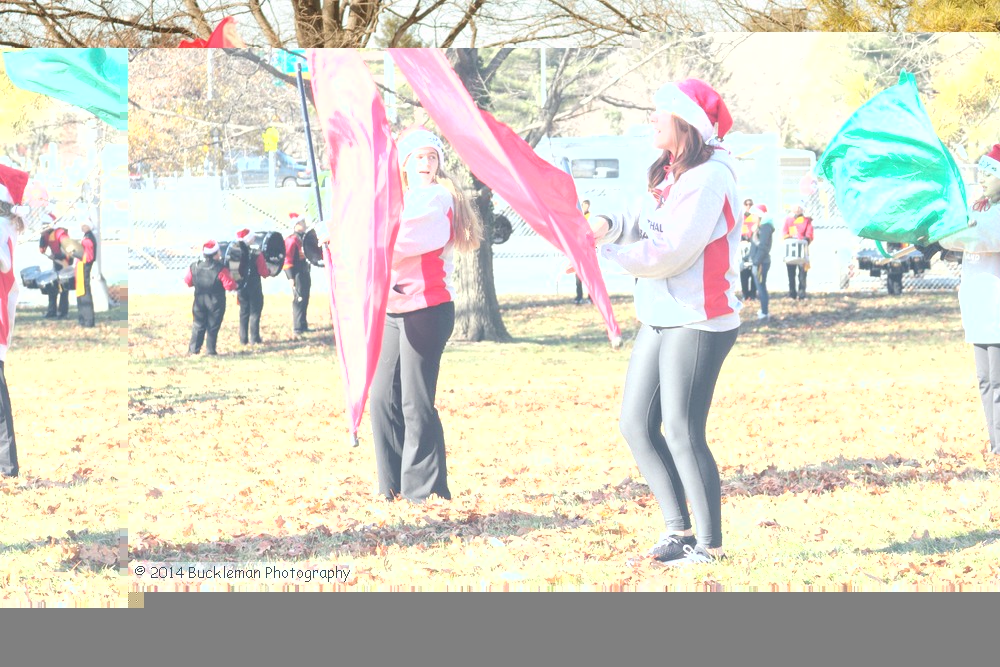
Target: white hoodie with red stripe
423	257
687	264
8	284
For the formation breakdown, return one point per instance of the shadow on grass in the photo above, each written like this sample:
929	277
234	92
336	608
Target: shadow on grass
928	545
831	319
84	550
357	541
874	475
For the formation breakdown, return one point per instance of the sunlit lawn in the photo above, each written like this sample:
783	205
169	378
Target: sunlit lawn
848	432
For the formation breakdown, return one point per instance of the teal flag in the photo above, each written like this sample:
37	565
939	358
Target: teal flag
893	179
91	79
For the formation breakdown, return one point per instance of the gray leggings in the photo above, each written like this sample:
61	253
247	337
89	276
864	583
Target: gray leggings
670	381
988	370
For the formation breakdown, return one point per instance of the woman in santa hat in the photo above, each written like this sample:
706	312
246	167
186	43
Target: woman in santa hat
437	219
687	270
12	183
979	292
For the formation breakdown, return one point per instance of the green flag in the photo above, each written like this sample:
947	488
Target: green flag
91	79
893	179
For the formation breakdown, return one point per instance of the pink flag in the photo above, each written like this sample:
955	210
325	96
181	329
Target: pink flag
367	200
541	193
224	36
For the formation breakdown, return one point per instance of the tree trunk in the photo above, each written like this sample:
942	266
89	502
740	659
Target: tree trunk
477	311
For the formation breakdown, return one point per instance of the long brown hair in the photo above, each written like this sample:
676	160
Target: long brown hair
5	211
693	152
465	222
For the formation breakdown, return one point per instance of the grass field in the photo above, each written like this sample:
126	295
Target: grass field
62	520
848	433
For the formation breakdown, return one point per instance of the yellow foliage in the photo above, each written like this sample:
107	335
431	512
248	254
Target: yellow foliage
966	106
955	16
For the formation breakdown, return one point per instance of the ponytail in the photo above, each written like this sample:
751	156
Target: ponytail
466	223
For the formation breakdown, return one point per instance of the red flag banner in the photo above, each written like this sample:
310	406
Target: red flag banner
367	201
223	37
541	193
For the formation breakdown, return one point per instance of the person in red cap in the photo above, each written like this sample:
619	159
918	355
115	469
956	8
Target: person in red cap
979	291
84	297
250	292
51	240
798	226
686	265
297	270
760	255
210	280
746	267
12	212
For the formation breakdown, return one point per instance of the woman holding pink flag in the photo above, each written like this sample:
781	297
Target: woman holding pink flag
436	220
686	265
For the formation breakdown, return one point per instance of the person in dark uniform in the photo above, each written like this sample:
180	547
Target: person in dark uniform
51	240
211	280
297	270
250	292
84	297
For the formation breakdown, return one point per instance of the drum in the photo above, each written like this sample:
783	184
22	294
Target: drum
796	251
745	262
272	246
235	258
67	278
48	282
311	248
29	277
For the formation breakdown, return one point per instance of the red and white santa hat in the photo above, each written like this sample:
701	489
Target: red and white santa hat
210	248
759	210
242	234
418	137
12	184
991	161
295	218
697	103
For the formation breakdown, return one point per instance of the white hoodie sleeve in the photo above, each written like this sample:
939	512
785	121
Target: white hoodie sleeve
982	236
6	261
691	215
426	223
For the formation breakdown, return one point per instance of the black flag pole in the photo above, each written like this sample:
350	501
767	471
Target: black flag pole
353	438
309	140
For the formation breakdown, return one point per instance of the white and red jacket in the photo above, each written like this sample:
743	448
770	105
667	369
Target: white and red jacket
8	285
687	263
979	292
423	257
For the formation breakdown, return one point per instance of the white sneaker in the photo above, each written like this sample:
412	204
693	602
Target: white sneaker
761	315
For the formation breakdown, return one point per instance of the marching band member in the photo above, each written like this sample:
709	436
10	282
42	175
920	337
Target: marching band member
687	266
51	240
84	296
211	280
979	291
760	255
746	238
250	292
798	226
12	183
297	270
436	220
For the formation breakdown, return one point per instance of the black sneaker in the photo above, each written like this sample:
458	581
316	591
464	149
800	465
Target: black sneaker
696	555
671	547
